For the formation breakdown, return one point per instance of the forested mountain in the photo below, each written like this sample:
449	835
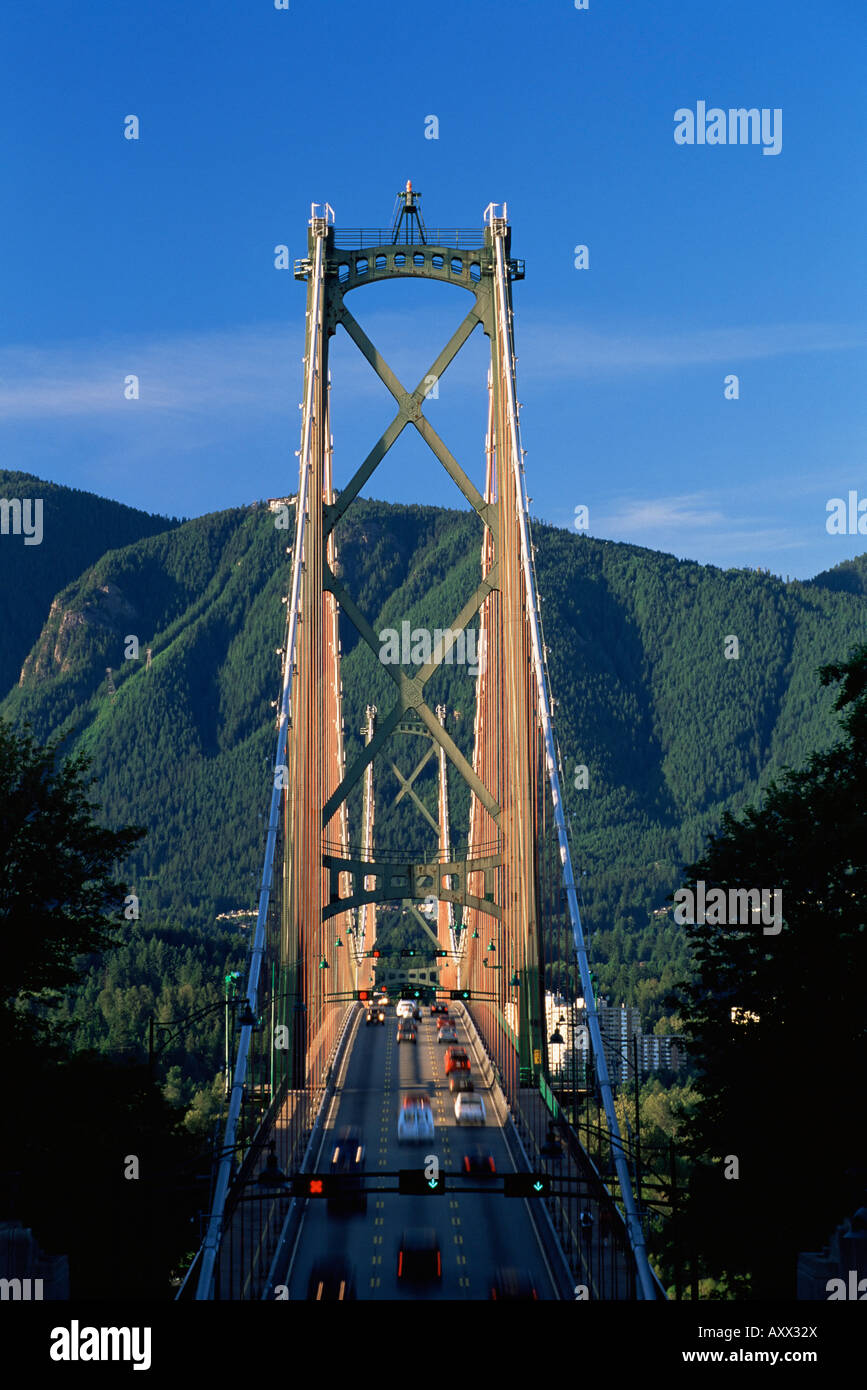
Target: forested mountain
671	730
76	528
849	577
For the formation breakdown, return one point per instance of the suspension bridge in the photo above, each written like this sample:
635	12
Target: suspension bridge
497	895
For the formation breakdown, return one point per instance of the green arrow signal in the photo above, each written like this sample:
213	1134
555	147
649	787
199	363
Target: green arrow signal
537	1186
432	1182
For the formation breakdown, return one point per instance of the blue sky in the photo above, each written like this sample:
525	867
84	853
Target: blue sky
155	256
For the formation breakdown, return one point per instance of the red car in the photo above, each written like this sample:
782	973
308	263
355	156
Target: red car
456	1060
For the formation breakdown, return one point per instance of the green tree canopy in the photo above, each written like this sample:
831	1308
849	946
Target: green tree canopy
778	1022
58	897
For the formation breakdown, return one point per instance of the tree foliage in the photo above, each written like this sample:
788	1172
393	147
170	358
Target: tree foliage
777	1021
58	897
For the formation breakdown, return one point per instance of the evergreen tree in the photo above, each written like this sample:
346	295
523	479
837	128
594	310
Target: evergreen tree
777	1020
58	899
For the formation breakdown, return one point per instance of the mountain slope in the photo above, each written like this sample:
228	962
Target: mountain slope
672	731
77	527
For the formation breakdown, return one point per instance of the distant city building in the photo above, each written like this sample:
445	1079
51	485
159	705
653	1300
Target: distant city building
275	503
660	1052
618	1026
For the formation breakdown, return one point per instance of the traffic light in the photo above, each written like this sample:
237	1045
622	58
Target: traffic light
407	951
440	953
411	1182
363	994
460	994
312	1185
526	1185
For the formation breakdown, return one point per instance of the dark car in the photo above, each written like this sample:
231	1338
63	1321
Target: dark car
375	1015
331	1280
514	1285
439	1007
419	1258
405	1031
460	1081
478	1163
347	1164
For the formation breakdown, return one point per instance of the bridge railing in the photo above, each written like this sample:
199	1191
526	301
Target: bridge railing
453	238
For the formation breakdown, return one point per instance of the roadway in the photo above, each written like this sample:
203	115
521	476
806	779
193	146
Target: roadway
477	1232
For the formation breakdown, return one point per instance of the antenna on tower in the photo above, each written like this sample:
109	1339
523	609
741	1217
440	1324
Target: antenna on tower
407	215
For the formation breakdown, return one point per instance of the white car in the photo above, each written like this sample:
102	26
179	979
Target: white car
469	1109
415	1123
405	1009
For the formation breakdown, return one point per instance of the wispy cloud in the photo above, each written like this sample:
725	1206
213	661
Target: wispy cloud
180	374
251	367
688	522
567	350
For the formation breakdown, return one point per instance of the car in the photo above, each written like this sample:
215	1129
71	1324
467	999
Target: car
415	1123
439	1006
416	1011
331	1280
347	1163
469	1109
375	1016
457	1060
460	1081
405	1008
515	1285
415	1099
446	1034
405	1031
419	1258
478	1163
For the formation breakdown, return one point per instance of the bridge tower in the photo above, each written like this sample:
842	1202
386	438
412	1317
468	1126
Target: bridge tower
318	887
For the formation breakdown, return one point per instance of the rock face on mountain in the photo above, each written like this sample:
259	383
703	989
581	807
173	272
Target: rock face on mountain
105	611
78	528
